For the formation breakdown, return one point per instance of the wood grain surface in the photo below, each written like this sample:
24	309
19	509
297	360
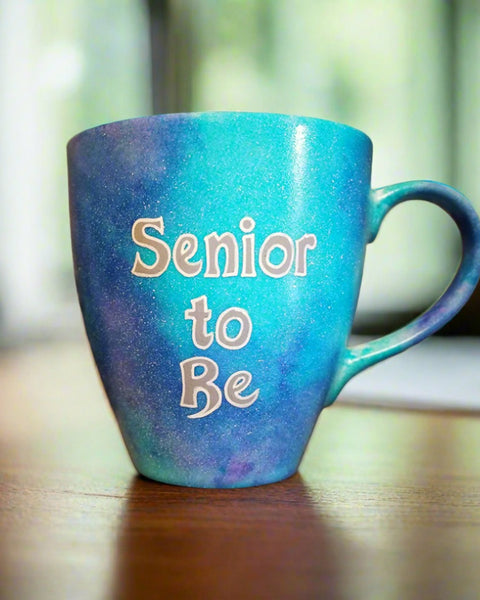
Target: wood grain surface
386	505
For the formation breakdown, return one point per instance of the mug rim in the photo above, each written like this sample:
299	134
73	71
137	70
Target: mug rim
206	115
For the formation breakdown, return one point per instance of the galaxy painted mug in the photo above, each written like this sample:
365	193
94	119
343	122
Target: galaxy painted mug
218	260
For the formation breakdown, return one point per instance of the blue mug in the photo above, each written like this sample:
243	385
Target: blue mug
218	260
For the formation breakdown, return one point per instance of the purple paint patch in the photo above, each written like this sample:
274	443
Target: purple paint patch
238	469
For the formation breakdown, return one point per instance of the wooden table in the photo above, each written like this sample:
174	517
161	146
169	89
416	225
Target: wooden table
386	505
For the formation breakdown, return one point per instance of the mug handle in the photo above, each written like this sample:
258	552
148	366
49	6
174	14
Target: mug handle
382	200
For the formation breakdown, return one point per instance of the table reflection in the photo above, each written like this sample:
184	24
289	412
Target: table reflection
264	542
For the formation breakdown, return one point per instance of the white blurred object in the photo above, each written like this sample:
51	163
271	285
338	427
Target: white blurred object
440	373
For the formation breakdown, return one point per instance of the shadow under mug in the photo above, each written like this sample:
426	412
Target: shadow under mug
218	260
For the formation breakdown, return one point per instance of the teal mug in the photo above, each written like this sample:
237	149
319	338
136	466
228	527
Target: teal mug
218	260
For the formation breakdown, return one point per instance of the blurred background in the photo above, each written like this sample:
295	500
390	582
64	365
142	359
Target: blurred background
404	71
406	508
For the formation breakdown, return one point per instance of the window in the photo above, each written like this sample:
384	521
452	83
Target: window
399	70
65	65
402	71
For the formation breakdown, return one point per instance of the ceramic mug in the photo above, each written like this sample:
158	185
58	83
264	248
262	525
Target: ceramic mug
218	260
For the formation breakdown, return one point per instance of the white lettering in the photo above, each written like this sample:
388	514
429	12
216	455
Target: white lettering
195	384
145	240
235	384
285	244
200	314
213	243
185	247
243	336
306	242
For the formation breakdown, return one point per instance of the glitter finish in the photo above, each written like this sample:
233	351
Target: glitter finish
218	259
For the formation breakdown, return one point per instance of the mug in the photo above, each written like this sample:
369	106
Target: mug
218	260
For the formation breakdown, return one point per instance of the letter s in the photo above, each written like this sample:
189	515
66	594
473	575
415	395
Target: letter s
159	247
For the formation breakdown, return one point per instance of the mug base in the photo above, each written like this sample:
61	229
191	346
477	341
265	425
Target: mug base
218	482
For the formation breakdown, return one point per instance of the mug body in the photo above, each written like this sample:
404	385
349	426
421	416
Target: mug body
218	260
